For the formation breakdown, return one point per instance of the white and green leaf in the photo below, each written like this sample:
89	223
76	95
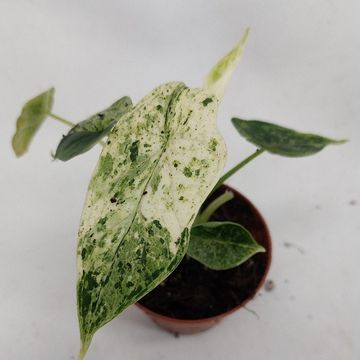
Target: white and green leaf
222	245
31	118
86	134
220	75
160	162
280	140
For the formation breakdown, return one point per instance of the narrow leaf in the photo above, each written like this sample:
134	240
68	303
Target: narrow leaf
32	116
222	245
221	73
280	140
83	136
161	161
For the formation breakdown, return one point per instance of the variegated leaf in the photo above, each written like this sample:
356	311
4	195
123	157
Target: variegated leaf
221	73
281	140
31	118
160	162
83	136
222	245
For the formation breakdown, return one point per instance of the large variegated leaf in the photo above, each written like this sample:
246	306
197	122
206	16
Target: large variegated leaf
160	162
222	245
32	116
280	140
83	136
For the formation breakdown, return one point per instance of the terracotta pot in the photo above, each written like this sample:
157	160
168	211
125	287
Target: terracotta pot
261	234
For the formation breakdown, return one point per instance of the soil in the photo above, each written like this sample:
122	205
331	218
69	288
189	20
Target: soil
193	291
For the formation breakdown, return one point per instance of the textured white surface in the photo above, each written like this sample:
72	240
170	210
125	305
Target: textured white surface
300	69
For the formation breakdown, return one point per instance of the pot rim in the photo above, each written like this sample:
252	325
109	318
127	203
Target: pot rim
244	302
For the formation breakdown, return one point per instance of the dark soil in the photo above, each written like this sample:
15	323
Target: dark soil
193	291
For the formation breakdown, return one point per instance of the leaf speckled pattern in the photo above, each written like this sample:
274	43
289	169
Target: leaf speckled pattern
281	140
222	245
83	136
160	163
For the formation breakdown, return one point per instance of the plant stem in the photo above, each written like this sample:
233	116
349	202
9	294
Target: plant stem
213	206
237	167
84	348
62	120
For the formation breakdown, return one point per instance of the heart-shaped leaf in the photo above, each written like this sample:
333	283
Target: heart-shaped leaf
280	140
222	245
160	162
83	136
32	116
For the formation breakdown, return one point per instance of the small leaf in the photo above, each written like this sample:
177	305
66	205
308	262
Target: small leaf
221	73
141	202
280	140
222	245
32	116
83	136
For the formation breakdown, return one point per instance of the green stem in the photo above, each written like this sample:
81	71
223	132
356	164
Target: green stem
62	120
213	206
237	168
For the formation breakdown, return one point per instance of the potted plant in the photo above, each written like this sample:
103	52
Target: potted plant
157	199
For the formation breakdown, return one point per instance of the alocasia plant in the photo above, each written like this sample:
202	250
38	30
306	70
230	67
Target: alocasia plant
143	212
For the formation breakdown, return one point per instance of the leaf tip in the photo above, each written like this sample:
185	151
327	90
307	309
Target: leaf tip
18	153
340	142
245	36
53	156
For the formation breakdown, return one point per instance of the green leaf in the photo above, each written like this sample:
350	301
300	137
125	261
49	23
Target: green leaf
222	245
152	177
83	136
280	140
221	73
32	116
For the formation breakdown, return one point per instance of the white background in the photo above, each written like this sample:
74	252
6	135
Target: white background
300	69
